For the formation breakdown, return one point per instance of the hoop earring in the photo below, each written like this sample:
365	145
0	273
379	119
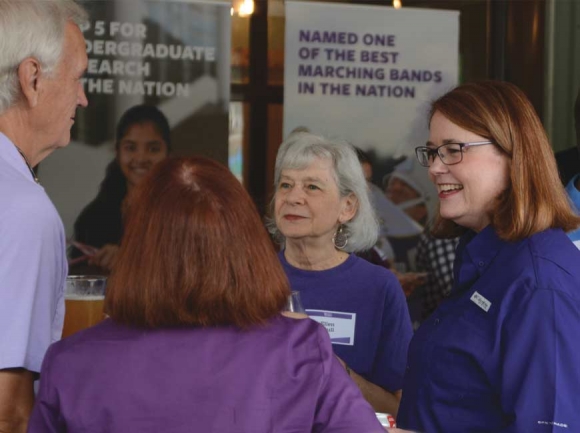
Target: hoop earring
340	238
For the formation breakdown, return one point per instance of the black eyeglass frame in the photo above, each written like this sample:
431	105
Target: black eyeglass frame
433	151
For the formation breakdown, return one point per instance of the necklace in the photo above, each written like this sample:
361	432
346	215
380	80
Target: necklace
27	164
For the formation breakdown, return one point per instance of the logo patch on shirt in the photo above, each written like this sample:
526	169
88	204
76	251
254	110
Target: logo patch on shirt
554	423
480	301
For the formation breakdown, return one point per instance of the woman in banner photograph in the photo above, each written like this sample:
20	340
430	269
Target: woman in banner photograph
142	140
322	216
501	353
195	341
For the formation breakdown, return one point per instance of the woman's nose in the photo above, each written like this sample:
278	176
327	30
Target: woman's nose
141	155
295	196
437	167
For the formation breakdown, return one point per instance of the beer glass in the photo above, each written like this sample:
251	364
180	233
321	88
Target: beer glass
294	306
294	303
84	300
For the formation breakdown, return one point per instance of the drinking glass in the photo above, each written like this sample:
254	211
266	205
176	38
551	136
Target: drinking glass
84	300
294	304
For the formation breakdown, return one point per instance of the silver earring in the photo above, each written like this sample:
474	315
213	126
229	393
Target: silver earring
340	238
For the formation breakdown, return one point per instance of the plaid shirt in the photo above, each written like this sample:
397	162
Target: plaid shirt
436	257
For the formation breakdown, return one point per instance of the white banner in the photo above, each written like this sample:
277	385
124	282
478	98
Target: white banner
367	74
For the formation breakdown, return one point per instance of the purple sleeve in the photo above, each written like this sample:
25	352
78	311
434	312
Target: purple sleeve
45	417
540	378
396	333
341	408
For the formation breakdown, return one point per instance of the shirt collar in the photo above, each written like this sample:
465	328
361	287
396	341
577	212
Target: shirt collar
9	153
475	252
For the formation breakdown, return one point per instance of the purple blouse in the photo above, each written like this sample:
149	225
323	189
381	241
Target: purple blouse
281	377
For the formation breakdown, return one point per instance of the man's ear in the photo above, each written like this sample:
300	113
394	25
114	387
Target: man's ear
349	208
29	76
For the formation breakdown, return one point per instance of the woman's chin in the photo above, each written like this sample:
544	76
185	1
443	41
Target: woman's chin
449	213
292	237
134	181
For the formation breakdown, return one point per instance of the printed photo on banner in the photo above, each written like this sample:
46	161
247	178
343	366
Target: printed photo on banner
158	83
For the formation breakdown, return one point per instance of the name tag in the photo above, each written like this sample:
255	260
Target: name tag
340	326
480	301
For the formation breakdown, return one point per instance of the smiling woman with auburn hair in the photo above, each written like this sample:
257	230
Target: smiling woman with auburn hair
501	353
534	199
195	340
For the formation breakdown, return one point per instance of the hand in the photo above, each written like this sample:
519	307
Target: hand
341	362
105	257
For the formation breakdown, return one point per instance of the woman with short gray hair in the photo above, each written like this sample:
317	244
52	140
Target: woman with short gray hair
361	232
321	215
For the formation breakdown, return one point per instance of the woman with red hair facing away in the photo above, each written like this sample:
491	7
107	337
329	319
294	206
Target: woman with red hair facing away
195	341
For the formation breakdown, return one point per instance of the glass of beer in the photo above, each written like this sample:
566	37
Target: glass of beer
294	307
84	300
294	303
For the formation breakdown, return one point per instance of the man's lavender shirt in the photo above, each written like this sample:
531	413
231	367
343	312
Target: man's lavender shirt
33	265
280	377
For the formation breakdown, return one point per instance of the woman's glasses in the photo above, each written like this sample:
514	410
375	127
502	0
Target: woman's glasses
449	153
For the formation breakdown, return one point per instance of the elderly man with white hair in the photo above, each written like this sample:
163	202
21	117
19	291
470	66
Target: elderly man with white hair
43	59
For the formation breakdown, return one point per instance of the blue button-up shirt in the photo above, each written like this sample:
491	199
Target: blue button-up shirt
574	195
502	353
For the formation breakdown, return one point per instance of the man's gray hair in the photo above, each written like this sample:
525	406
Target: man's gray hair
298	152
32	28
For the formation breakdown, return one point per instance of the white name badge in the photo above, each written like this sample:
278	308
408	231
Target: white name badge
340	326
480	301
